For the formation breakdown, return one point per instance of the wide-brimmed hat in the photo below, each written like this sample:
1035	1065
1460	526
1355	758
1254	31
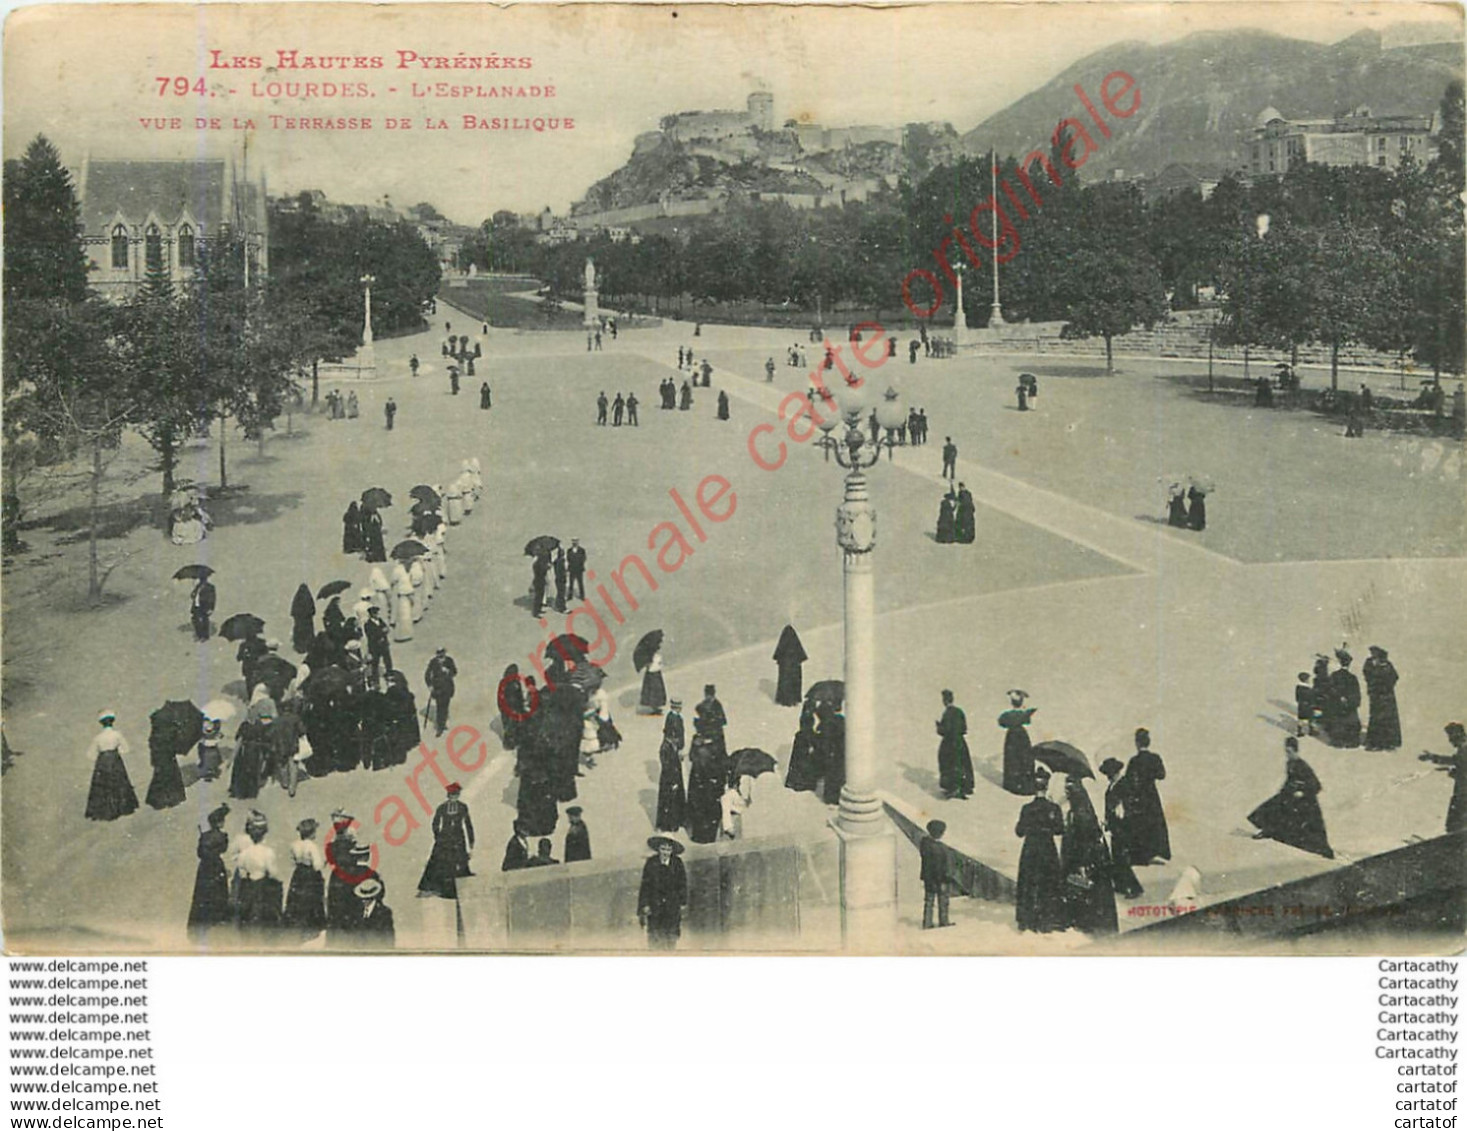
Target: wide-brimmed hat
1343	656
676	704
369	889
656	842
1111	766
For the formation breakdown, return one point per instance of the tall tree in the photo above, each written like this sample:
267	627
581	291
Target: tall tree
43	229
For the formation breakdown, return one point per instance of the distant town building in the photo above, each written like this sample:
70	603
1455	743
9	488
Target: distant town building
1179	177
1356	138
165	215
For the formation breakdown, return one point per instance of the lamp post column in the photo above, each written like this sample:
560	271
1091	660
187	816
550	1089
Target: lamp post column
868	846
367	354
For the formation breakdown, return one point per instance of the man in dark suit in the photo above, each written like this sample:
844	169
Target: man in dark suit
936	875
204	600
439	676
517	851
575	565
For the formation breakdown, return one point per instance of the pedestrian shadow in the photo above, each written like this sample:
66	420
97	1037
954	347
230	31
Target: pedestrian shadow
923	779
526	602
654	770
1155	520
647	799
769	688
1288	723
235	690
510	795
114	520
1282	706
993	774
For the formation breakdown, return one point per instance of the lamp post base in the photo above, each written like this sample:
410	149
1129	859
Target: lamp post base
367	360
868	885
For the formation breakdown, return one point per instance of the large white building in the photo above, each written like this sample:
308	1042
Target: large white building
1356	138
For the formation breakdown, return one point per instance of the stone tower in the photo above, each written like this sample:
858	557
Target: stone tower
761	110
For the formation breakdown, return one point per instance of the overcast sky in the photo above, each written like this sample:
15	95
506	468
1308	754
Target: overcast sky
87	75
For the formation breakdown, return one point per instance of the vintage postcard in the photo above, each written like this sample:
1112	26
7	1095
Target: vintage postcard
717	478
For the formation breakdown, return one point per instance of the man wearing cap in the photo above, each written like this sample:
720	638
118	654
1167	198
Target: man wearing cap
439	676
664	893
577	837
936	875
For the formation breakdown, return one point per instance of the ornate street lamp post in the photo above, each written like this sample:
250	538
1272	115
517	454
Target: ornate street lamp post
868	844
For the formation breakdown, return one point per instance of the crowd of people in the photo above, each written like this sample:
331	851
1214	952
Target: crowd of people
343	706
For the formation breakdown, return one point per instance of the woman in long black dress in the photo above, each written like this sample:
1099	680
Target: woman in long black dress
1090	898
1040	901
830	747
166	788
303	619
1176	507
305	899
1196	508
1018	761
351	530
210	905
453	841
511	700
111	795
706	783
401	715
252	750
1123	877
372	544
789	654
1292	815
1145	819
805	769
1384	729
672	799
947	518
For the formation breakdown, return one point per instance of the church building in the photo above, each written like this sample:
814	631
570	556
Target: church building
137	214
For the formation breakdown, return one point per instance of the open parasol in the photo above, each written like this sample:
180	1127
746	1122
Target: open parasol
407	550
331	589
426	495
376	498
1063	758
221	710
241	626
274	669
193	573
827	691
646	648
543	544
177	725
752	761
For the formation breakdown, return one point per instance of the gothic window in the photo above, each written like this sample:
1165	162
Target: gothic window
119	246
185	246
153	248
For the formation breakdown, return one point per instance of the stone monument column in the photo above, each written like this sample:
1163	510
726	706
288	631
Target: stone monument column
367	354
592	319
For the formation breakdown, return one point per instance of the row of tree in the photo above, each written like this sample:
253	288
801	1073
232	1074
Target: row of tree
1351	254
170	362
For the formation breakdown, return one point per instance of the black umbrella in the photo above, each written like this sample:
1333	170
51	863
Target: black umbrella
407	550
567	646
647	647
241	626
425	494
178	724
1063	758
544	544
193	573
827	691
376	498
331	589
752	761
275	669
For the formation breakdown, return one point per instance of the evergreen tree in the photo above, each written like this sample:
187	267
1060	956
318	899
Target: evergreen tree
43	229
